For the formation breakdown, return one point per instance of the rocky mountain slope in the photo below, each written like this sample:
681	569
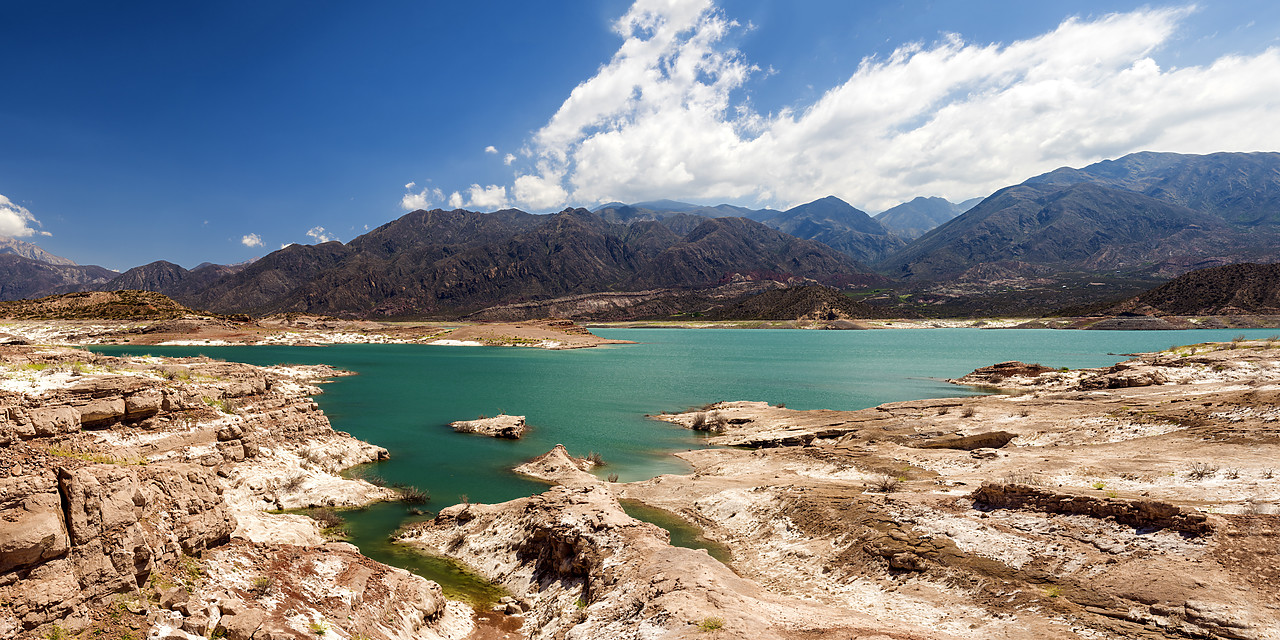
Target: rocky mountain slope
441	263
1217	291
1155	215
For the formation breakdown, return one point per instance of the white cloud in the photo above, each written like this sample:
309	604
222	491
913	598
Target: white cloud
16	221
455	200
508	159
320	235
492	197
421	200
490	149
410	186
539	193
251	240
953	118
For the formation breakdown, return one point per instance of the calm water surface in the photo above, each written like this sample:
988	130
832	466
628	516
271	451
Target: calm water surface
404	396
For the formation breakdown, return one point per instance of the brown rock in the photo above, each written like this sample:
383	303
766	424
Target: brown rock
143	404
33	530
240	626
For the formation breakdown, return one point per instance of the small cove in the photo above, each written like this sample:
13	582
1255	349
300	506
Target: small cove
404	396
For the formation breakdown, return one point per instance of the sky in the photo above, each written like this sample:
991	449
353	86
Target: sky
219	132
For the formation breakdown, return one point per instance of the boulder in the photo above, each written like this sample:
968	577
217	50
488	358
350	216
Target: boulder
503	426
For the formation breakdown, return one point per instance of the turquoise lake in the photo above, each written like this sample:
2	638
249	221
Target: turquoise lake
404	396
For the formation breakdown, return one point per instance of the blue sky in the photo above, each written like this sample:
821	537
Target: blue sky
131	132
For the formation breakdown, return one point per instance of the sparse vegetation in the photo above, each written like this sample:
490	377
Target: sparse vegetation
1053	591
262	585
613	477
1201	470
1268	474
595	459
1232	474
1099	485
885	484
319	627
410	494
710	624
967	412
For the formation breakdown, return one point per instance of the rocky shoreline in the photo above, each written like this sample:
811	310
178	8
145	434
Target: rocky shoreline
133	489
1134	501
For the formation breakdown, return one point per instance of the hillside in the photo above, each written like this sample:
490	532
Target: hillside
95	305
810	302
1144	215
1234	289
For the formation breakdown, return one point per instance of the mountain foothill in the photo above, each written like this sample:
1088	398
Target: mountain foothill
1120	226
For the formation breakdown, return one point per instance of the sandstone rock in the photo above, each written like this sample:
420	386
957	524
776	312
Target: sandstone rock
504	426
101	410
240	626
559	467
52	421
33	531
143	404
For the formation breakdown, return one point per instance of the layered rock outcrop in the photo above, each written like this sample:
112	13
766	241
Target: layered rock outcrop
131	497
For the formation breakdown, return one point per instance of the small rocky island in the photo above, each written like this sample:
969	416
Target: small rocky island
501	426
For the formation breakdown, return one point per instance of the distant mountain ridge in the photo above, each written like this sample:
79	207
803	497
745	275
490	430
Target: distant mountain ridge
31	251
914	218
1150	214
26	278
456	262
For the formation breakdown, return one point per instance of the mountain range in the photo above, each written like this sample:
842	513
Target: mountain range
1140	219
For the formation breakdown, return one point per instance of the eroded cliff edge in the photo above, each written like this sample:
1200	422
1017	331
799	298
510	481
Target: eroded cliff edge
132	493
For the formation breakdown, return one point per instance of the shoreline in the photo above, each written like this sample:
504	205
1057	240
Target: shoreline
968	485
1108	502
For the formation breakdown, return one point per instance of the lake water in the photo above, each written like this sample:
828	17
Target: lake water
404	396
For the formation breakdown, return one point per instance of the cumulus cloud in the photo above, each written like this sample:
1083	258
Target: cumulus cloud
491	198
490	149
420	200
320	235
16	221
508	159
455	200
956	118
251	240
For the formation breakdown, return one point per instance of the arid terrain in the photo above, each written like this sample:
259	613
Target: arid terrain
1134	501
133	494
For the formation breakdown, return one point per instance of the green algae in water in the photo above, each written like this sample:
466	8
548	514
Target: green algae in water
372	531
683	533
